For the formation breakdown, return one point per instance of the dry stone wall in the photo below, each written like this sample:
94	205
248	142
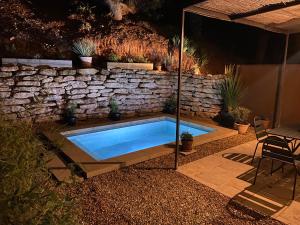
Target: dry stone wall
43	93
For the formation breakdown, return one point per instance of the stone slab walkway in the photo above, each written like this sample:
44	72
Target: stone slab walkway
230	172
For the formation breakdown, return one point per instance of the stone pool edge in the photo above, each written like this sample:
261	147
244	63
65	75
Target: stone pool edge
92	167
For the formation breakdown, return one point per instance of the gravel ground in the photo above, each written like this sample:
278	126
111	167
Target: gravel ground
152	193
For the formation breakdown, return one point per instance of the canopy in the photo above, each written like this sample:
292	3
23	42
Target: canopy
271	15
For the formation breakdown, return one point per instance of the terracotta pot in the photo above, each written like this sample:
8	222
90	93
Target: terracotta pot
158	68
86	61
266	124
115	116
242	128
187	145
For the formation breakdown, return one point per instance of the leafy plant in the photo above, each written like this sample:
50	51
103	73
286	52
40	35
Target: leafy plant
231	91
170	105
113	57
84	47
186	136
71	109
240	114
26	196
114	108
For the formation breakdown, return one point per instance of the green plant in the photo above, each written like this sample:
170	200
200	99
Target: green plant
240	114
231	91
84	47
71	109
186	136
188	47
113	57
114	108
170	105
140	59
26	193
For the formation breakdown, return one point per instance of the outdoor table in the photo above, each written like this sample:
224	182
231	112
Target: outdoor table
287	133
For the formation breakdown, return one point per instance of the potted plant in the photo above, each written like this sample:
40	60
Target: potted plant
231	92
70	117
114	113
85	48
170	105
241	116
186	141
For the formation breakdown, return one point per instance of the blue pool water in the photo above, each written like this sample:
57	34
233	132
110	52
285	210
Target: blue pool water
104	144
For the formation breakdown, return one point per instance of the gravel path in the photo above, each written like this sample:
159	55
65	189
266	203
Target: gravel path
152	193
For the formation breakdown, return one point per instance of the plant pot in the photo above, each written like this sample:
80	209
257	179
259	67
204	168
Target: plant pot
86	61
187	145
266	123
115	116
242	128
71	121
158	68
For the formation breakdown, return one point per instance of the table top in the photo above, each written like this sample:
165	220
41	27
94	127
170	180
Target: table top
288	132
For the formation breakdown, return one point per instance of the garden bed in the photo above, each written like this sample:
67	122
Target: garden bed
38	62
130	66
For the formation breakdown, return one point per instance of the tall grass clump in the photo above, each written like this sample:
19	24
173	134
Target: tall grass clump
84	47
26	193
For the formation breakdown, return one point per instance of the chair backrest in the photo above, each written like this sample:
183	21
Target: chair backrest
277	148
260	130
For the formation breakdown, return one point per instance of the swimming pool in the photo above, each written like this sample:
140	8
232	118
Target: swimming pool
110	141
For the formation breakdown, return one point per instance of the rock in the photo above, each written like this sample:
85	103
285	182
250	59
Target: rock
53	98
96	87
79	91
93	95
4	94
83	78
9	68
16	101
90	106
25	73
28	89
67	72
29	83
17	108
52	85
88	71
77	84
48	72
54	91
5	74
76	96
23	95
47	80
24	67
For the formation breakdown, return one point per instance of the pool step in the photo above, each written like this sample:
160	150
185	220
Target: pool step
60	170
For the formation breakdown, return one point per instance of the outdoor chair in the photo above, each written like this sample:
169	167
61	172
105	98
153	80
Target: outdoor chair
278	149
261	134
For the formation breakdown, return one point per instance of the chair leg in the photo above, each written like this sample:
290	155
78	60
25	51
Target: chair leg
295	182
254	153
257	171
272	165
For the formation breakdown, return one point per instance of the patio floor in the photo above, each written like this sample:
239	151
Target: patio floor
229	172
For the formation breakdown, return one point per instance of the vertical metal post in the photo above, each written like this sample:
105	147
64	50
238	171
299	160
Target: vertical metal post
179	89
278	100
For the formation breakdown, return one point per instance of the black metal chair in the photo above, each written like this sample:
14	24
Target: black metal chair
260	132
278	149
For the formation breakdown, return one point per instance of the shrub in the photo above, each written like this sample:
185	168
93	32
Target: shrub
170	105
112	57
240	114
114	108
186	136
25	191
84	47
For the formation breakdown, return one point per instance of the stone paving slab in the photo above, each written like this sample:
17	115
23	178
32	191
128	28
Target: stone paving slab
229	172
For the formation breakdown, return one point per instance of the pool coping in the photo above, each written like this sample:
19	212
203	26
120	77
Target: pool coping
92	167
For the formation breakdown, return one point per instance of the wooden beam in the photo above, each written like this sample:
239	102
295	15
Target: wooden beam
221	16
265	9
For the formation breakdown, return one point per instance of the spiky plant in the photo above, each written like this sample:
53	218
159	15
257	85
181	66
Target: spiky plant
229	69
231	91
84	47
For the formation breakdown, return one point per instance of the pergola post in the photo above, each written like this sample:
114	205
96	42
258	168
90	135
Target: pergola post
278	99
179	89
